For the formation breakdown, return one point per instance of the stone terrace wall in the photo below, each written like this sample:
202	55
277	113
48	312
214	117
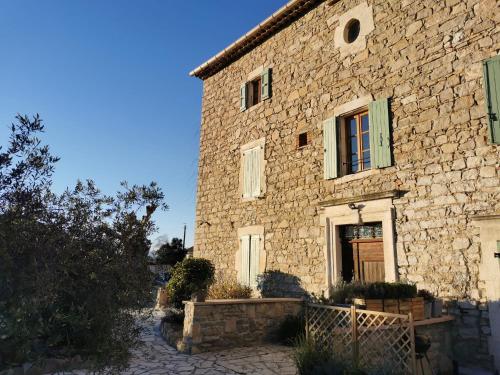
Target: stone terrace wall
220	324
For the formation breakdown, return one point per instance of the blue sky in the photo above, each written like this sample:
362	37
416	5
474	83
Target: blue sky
110	79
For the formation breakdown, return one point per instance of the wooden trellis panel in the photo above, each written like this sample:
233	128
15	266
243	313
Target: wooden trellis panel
376	340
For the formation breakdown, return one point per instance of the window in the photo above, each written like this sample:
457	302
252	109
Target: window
255	90
252	178
355	143
302	140
351	31
250	246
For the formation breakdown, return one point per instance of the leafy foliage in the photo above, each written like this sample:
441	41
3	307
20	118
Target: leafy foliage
228	288
66	260
171	253
291	329
190	276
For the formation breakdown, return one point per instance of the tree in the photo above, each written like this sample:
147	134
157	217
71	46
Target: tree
171	253
73	267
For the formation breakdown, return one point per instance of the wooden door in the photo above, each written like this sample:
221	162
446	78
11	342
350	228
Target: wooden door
368	255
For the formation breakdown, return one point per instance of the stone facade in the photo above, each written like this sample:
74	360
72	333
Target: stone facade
427	57
221	324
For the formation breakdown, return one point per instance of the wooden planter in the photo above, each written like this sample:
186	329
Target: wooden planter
395	306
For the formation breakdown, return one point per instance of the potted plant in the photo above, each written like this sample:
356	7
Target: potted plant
397	298
428	302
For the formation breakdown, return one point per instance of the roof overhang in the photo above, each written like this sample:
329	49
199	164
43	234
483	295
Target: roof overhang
279	20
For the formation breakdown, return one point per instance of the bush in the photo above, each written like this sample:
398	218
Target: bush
307	355
173	315
313	359
192	275
344	292
426	295
66	260
291	329
228	288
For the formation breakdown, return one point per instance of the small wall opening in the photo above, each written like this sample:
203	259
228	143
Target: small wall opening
352	30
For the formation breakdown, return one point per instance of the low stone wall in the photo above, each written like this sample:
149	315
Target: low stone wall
219	324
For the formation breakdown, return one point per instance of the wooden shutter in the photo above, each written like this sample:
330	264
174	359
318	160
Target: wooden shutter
255	180
380	140
266	84
330	148
255	243
491	68
243	97
247	173
245	260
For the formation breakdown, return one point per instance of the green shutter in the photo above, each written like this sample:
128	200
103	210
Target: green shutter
491	68
266	84
330	148
380	138
243	97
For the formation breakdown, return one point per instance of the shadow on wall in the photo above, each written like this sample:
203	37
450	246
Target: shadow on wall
277	284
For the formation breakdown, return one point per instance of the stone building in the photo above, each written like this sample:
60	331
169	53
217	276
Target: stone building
359	139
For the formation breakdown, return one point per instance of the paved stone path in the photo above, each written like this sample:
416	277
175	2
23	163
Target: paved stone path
155	357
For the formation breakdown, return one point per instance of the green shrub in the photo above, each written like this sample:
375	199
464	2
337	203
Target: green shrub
307	355
192	275
73	267
173	315
291	329
228	288
426	295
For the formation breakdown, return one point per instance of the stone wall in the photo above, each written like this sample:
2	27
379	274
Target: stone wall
427	56
220	324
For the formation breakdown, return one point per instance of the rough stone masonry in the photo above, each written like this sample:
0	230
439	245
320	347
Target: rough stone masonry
427	57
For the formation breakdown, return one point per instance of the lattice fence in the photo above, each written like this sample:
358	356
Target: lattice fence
376	340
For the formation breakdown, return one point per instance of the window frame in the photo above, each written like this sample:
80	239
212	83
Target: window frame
251	232
254	92
347	144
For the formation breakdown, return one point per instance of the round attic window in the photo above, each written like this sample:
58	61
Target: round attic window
351	31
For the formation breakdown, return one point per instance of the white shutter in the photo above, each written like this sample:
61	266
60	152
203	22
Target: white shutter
245	260
330	148
247	174
256	171
255	243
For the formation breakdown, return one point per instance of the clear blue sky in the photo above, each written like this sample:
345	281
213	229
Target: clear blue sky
110	79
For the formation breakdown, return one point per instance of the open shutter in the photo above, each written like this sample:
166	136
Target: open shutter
245	260
380	139
266	84
330	148
243	97
255	243
247	174
491	68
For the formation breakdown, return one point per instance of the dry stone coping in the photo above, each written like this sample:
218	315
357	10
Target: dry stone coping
244	301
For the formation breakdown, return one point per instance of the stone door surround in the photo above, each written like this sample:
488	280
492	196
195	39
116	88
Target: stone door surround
335	215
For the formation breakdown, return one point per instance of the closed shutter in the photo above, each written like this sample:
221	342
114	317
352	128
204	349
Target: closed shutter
247	174
255	243
380	139
330	148
245	260
491	68
256	158
266	84
243	97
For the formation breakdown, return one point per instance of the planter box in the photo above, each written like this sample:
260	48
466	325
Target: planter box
395	306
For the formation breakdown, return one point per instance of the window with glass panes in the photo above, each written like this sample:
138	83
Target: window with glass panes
357	144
